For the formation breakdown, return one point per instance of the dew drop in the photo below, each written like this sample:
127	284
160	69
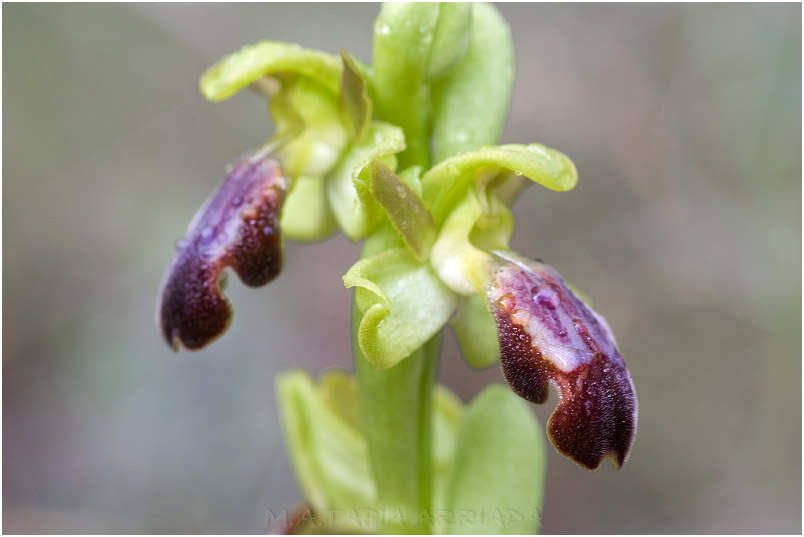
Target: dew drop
268	230
181	244
562	333
383	28
207	234
237	201
401	191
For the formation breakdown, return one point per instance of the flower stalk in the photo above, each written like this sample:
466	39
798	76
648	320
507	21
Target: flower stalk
399	155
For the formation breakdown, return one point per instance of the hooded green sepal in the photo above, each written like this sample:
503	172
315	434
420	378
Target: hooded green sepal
495	167
402	304
325	444
239	69
354	98
476	332
498	473
403	35
451	38
408	214
481	82
348	183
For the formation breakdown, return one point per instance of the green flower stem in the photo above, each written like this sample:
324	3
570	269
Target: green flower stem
396	411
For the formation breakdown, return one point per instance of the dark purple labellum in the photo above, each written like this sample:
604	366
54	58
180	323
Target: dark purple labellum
237	228
548	334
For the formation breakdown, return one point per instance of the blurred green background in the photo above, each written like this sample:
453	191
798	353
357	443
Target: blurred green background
685	125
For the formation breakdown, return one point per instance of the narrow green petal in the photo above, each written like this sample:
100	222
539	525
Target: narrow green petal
306	215
354	97
329	455
405	209
239	69
403	303
476	332
498	475
444	184
348	183
470	106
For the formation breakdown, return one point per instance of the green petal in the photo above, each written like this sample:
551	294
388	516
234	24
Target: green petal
498	475
306	215
476	332
354	97
403	303
328	453
471	105
405	209
354	209
451	39
444	184
237	70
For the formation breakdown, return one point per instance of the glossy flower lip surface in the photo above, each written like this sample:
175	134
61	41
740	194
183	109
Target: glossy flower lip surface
237	227
547	333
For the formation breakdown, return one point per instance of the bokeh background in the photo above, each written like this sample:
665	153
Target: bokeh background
685	125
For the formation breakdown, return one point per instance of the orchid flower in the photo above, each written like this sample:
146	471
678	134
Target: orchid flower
352	151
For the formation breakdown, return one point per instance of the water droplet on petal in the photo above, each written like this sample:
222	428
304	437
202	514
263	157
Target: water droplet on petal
207	234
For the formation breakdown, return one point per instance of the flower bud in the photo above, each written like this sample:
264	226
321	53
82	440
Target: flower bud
237	228
547	333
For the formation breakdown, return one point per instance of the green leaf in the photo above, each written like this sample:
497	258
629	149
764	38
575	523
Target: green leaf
306	215
451	39
403	303
448	411
239	69
498	474
476	332
328	453
444	184
348	183
471	105
405	209
403	35
354	97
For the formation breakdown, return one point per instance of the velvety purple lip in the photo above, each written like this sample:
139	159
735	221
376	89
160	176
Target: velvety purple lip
237	227
547	333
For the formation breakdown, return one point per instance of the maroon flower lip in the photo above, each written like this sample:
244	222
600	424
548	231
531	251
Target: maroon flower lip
237	227
547	333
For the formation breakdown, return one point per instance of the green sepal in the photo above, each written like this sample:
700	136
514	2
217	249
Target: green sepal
354	98
408	214
451	38
239	69
402	303
470	106
444	184
498	474
306	215
348	183
326	448
310	126
476	331
403	35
